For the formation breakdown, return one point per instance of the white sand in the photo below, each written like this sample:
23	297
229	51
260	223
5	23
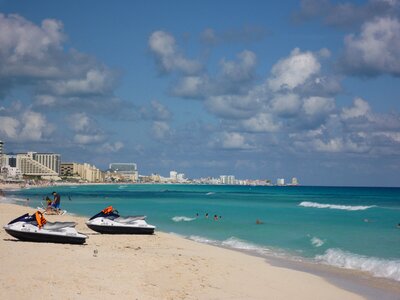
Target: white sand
160	266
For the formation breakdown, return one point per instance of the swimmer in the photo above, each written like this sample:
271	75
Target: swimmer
258	222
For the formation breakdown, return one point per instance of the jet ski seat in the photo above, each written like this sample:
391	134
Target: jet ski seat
129	219
58	225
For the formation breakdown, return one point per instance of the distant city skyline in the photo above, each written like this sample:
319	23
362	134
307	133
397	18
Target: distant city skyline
260	89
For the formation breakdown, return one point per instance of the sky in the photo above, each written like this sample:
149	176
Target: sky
256	89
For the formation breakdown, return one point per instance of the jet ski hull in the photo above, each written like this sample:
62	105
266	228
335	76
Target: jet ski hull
120	229
45	238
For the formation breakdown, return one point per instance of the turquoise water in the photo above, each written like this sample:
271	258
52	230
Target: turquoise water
341	226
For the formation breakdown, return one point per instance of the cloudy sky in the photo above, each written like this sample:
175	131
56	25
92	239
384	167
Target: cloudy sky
257	89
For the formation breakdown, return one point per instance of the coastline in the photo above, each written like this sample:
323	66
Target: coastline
161	266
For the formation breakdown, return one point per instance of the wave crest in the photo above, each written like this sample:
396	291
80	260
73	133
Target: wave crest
376	266
182	218
317	242
334	206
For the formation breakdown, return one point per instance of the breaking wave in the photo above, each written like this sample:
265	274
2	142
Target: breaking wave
182	218
378	267
316	242
334	206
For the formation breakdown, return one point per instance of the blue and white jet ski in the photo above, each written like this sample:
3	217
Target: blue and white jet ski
109	221
35	228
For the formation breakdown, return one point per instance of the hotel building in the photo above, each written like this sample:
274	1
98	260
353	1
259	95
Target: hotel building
84	172
39	164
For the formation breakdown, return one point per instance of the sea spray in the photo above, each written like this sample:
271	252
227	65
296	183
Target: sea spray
378	267
335	206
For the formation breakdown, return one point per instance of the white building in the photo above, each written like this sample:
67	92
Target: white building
83	171
294	181
39	164
173	175
227	179
280	181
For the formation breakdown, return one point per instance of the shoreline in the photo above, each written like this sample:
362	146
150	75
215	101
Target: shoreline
354	284
361	282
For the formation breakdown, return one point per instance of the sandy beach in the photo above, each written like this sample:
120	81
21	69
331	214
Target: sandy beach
160	266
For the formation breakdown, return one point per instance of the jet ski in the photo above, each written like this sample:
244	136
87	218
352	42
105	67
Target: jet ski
109	221
35	228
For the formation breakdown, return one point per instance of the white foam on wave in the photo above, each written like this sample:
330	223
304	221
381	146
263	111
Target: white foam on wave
378	267
204	240
334	206
210	193
182	218
317	242
239	244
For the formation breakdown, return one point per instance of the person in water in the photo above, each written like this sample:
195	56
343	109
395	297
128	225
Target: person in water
57	201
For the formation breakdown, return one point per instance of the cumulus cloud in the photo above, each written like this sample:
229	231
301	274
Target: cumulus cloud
262	122
375	51
168	56
293	71
360	108
243	70
161	129
26	126
111	147
286	105
9	127
79	121
86	139
231	141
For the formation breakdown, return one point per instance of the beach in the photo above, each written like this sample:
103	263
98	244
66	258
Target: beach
160	266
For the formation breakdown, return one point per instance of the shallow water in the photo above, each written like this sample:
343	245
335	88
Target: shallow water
355	228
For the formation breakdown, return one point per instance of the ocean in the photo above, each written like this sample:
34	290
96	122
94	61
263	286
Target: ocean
347	227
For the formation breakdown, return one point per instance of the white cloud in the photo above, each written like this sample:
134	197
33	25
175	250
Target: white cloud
9	127
27	49
111	147
95	81
242	70
376	50
360	108
232	141
286	105
318	106
191	87
164	48
293	71
262	122
27	126
79	121
86	139
161	129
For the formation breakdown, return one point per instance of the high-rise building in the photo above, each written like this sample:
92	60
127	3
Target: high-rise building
38	164
294	181
280	181
84	171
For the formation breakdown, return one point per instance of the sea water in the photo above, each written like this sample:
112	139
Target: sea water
348	227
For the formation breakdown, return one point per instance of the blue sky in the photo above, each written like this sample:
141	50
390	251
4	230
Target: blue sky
257	89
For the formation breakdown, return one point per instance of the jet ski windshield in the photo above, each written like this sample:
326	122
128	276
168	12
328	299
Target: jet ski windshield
24	218
108	213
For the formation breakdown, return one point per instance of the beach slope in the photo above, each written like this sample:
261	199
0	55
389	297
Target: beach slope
160	266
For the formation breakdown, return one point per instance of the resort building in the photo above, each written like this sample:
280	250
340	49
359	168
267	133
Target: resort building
280	181
294	181
227	179
46	165
81	172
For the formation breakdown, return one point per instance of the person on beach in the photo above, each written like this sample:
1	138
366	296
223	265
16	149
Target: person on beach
57	201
